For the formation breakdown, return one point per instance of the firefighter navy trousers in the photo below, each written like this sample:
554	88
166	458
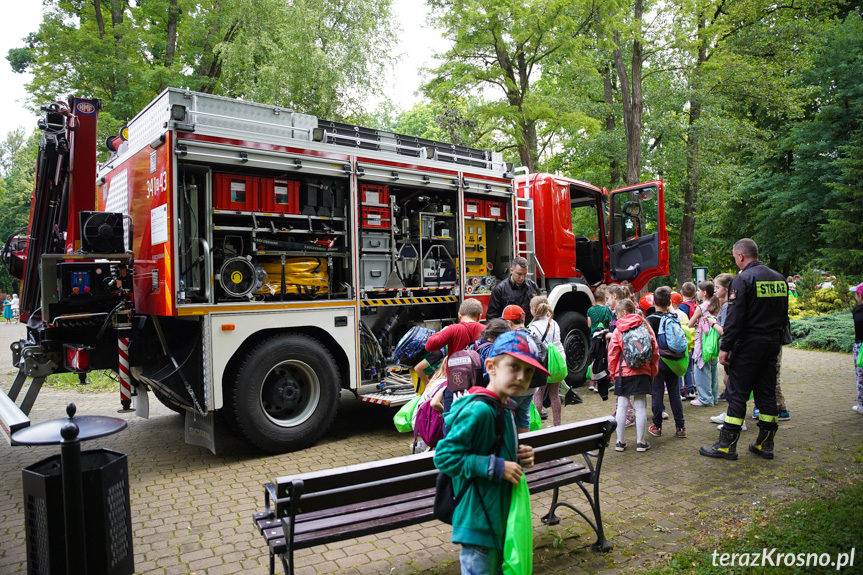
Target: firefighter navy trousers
753	369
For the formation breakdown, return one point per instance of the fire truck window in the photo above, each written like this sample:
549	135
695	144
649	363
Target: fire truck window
635	214
585	220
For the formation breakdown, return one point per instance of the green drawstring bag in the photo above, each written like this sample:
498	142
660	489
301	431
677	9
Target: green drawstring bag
518	544
405	416
557	370
677	366
535	421
710	345
860	358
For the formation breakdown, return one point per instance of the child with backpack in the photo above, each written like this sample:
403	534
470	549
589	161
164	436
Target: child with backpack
672	344
598	317
633	359
688	306
544	329
706	369
482	456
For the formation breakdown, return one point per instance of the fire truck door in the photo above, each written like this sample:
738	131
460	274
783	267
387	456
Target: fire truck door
638	241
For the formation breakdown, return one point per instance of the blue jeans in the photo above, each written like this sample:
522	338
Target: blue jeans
477	560
522	411
686	384
707	382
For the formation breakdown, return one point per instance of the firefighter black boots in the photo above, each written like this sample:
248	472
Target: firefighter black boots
763	445
725	448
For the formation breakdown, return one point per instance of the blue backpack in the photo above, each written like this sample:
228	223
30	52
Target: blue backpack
670	338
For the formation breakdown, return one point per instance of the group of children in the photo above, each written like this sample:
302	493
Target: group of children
695	378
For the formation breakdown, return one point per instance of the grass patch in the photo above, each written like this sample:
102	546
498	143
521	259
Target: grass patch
830	524
97	381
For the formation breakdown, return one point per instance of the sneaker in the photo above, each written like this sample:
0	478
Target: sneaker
543	415
620	446
681	432
655	431
718	418
691	395
630	420
858	408
591	387
784	415
664	414
755	413
722	397
644	446
697	403
742	427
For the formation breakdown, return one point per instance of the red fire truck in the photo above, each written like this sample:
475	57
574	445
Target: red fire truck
247	258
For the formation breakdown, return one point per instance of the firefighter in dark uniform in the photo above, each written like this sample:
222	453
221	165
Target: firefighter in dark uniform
517	289
753	332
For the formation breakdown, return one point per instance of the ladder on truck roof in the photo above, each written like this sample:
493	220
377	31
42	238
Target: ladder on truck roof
525	243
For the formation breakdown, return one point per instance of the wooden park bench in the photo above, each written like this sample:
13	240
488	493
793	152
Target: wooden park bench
321	507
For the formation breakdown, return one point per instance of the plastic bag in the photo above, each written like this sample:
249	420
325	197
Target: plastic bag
404	417
557	370
710	345
535	421
518	544
860	358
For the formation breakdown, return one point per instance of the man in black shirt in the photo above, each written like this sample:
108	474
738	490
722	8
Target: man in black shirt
753	331
517	289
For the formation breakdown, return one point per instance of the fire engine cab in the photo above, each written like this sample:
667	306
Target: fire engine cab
248	258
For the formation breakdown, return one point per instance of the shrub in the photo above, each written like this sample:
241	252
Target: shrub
831	332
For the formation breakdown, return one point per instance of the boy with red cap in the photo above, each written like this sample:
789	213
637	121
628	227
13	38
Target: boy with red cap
476	451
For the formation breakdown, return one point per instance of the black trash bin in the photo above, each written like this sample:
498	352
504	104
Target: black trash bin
107	515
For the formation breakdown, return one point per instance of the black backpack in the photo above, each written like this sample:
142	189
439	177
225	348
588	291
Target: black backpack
445	498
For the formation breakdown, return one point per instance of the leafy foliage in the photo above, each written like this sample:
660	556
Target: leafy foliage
831	332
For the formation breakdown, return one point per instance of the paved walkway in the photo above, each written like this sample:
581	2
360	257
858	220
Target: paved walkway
191	510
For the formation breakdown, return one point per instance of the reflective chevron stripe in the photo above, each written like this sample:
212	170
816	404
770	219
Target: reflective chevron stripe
408	301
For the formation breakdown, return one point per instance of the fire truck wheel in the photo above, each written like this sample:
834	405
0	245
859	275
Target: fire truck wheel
575	336
168	403
285	393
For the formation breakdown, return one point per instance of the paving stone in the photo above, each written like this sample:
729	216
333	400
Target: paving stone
192	510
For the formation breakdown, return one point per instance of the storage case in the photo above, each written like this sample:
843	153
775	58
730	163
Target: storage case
375	270
377	218
376	242
280	196
236	193
495	210
474	208
372	194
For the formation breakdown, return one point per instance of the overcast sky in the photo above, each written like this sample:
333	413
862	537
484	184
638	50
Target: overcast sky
22	17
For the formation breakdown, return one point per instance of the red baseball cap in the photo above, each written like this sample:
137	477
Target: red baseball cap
676	298
513	312
519	345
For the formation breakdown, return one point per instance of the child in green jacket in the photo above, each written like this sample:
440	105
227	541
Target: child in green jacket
479	520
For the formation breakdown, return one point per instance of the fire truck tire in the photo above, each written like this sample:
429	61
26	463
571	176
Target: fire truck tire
168	403
575	336
284	394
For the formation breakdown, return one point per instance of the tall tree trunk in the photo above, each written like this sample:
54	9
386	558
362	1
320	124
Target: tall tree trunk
118	12
610	123
171	36
100	21
693	173
633	104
